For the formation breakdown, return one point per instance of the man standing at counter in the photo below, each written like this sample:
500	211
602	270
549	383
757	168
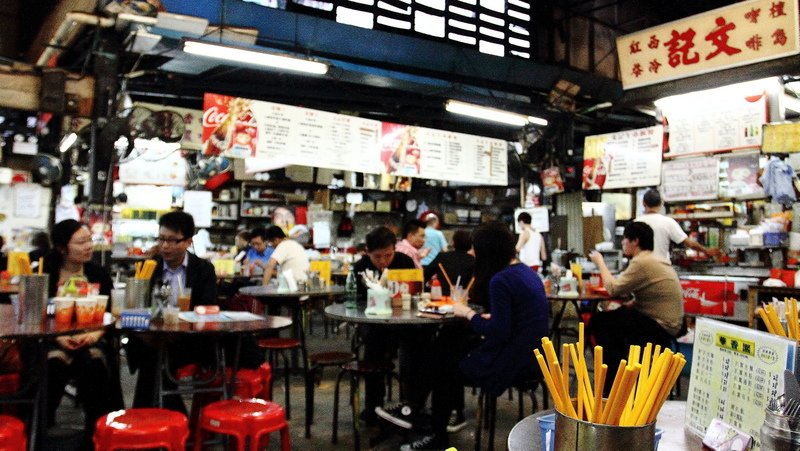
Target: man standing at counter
656	313
288	253
666	229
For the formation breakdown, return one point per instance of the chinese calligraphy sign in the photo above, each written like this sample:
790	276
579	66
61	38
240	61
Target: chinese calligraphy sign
735	35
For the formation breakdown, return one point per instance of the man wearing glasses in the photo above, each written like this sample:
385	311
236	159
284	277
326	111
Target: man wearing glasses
182	270
179	267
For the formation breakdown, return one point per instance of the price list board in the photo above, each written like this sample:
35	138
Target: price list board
735	372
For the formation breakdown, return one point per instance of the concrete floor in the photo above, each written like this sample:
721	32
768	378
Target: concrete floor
70	416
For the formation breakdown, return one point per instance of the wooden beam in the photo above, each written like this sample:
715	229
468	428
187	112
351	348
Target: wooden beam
51	24
22	90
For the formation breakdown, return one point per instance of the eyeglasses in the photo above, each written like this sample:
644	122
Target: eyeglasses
170	241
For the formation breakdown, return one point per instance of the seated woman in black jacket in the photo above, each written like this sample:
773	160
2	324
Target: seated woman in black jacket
85	358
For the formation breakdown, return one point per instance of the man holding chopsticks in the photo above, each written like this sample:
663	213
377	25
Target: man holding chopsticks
656	313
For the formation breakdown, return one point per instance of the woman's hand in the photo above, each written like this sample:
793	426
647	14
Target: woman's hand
463	311
68	343
78	341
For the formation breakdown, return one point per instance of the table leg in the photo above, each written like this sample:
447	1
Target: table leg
556	328
39	406
158	396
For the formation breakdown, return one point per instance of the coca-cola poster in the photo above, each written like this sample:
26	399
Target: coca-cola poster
229	126
709	297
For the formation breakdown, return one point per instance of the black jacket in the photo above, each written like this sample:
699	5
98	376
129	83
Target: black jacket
93	272
200	277
400	261
456	263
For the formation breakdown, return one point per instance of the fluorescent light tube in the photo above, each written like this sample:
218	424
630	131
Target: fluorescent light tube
247	56
492	114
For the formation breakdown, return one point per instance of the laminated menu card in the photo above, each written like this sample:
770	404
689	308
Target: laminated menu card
735	372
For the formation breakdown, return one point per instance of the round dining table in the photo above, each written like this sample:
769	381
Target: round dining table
38	335
398	317
215	327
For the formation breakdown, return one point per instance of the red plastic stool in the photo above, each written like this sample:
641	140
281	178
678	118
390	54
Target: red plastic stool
12	434
244	419
253	383
9	383
141	429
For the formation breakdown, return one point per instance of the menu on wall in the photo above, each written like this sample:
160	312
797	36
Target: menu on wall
727	123
289	135
625	159
690	179
735	372
783	138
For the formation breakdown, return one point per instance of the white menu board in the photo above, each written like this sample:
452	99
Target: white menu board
690	179
735	372
625	159
720	125
306	137
288	135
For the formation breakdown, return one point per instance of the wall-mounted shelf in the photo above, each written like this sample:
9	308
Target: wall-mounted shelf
224	218
702	215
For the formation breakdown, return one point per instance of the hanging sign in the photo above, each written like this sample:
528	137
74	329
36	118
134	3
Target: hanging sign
690	179
736	35
289	135
624	159
735	373
781	138
709	123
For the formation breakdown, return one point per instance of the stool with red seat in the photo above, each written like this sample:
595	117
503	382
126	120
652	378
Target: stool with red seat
12	434
141	429
249	420
281	346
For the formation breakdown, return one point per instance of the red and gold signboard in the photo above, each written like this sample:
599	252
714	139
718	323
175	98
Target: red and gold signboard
736	35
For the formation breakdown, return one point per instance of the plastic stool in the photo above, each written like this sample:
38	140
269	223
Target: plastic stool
249	420
12	434
141	429
356	369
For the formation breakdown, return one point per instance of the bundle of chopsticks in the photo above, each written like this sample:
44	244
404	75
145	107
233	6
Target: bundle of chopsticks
458	280
144	270
640	388
769	314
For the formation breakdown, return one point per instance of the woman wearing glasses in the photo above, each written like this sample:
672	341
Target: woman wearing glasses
85	358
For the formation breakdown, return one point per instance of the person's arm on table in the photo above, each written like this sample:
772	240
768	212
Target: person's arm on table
629	281
269	271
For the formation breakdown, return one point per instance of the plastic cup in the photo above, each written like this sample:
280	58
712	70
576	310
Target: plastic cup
171	315
100	306
84	310
65	308
117	301
185	299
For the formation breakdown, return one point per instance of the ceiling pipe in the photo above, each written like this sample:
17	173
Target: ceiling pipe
72	25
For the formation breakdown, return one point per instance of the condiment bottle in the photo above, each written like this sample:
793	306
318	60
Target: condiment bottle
436	289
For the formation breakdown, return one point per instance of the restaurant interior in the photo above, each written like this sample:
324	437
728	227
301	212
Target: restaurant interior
320	122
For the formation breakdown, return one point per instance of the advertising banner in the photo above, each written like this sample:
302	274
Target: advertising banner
623	160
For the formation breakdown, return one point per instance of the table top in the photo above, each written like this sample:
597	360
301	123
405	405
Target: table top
525	436
157	327
9	289
49	328
398	316
271	291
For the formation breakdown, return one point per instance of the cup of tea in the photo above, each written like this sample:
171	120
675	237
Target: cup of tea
185	299
171	315
100	307
65	308
84	310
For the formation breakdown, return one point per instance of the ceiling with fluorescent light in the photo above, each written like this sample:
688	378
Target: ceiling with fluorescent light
389	76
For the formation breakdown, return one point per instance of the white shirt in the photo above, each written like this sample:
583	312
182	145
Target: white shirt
665	229
531	251
291	255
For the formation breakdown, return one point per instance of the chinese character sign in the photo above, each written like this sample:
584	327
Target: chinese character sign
743	33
